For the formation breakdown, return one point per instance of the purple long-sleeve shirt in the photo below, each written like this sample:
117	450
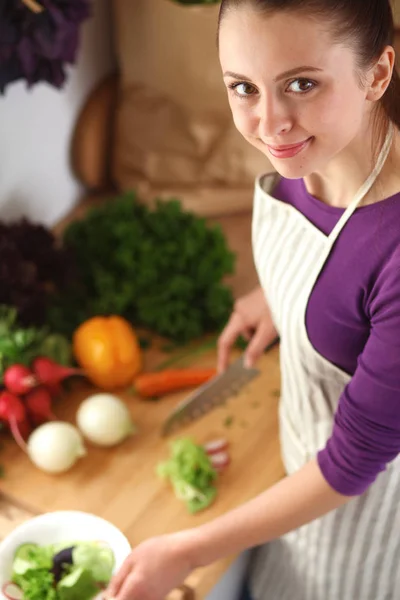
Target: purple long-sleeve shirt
353	320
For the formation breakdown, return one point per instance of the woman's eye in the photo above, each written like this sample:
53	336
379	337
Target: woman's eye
242	89
301	86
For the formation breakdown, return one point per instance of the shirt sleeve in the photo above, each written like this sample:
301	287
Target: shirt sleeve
366	431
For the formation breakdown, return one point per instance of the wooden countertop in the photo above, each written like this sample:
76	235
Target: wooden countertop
120	484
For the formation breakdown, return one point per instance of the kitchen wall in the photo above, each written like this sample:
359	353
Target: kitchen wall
36	127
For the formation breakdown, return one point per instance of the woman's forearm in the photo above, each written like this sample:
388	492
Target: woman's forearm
291	503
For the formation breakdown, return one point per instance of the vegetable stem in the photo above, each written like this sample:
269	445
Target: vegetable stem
17	434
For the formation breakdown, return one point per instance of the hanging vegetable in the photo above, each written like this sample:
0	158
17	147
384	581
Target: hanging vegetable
38	38
108	350
33	265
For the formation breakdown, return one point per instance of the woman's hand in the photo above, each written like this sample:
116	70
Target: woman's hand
252	319
153	569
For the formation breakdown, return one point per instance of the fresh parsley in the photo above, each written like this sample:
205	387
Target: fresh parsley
162	268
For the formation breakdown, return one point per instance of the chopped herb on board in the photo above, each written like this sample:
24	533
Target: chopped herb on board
228	421
191	473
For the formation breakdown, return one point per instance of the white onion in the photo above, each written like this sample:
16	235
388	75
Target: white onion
104	420
55	447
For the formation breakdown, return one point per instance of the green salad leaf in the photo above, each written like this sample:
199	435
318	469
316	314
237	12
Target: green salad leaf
79	584
31	556
88	567
191	473
96	559
36	584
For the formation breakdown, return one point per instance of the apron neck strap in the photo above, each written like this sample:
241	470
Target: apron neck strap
367	185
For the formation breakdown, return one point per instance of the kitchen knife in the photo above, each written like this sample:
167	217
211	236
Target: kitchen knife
210	395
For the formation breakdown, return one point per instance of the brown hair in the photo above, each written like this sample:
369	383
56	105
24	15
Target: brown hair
366	24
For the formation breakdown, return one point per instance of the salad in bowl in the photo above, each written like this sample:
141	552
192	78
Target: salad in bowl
66	555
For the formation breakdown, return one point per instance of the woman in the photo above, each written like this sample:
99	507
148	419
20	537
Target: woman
311	84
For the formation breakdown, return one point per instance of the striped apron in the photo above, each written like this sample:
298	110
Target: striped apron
352	553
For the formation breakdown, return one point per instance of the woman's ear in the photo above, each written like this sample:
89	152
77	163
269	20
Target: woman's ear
381	74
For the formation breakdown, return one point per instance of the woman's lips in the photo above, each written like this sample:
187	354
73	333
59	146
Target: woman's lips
288	151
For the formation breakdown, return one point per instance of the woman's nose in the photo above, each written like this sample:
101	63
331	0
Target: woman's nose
274	119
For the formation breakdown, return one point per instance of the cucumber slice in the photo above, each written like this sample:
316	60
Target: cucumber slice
31	556
22	559
23	551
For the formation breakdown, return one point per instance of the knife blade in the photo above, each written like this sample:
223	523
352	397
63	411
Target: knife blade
209	395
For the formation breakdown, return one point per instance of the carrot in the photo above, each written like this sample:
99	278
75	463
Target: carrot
159	383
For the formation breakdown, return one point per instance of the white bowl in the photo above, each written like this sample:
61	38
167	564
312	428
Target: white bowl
61	526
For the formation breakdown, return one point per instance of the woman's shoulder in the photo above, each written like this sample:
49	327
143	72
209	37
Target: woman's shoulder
385	293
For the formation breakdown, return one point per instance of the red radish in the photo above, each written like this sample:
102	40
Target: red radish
38	405
12	591
11	405
25	429
54	389
50	373
18	379
220	460
13	412
215	446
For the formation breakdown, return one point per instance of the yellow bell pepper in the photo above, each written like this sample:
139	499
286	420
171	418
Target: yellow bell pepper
108	350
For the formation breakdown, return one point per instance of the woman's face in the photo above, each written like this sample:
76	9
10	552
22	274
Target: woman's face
294	93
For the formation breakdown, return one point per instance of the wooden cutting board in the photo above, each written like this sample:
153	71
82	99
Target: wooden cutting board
121	485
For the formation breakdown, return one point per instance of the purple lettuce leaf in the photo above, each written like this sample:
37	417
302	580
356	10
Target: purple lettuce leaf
36	47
